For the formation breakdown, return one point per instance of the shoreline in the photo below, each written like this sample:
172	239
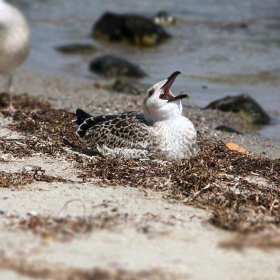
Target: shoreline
68	93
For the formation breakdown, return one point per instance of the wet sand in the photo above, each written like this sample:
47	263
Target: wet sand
137	229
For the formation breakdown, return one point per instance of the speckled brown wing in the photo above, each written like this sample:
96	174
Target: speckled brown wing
127	130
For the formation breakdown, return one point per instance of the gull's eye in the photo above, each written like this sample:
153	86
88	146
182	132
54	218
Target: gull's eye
151	92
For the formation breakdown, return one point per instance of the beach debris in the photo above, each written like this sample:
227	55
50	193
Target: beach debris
114	66
244	105
23	101
236	147
16	180
135	29
46	270
65	228
32	213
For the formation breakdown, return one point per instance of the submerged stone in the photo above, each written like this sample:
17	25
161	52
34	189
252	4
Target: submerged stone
244	105
77	48
135	29
124	87
113	66
228	129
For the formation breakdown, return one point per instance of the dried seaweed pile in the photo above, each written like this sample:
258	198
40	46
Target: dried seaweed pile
266	239
224	181
19	179
65	228
15	180
44	270
23	102
27	147
217	179
47	127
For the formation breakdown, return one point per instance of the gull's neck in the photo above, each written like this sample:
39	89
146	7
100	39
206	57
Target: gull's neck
151	117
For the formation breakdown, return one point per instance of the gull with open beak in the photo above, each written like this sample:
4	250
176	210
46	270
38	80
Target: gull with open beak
160	131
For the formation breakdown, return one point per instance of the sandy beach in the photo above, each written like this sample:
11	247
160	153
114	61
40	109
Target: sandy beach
66	216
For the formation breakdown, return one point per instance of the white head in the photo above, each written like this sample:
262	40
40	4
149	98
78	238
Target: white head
160	104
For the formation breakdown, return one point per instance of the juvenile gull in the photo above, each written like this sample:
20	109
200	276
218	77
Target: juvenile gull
160	131
14	42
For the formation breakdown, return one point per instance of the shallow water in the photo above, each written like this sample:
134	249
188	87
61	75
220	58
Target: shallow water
237	42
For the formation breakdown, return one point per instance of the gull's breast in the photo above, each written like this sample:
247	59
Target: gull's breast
177	139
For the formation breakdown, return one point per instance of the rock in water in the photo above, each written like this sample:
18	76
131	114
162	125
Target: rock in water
160	131
243	105
113	66
77	48
124	87
135	29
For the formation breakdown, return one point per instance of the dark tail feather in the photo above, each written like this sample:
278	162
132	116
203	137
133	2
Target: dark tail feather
81	116
86	121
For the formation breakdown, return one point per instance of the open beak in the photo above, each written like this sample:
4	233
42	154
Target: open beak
166	92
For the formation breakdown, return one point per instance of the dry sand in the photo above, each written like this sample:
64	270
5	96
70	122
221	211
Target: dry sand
112	227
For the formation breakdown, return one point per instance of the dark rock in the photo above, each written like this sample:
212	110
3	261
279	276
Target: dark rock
112	66
236	25
109	27
136	29
162	18
228	129
122	86
77	48
243	105
142	31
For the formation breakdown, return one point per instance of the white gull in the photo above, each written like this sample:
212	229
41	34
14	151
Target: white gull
14	42
160	131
